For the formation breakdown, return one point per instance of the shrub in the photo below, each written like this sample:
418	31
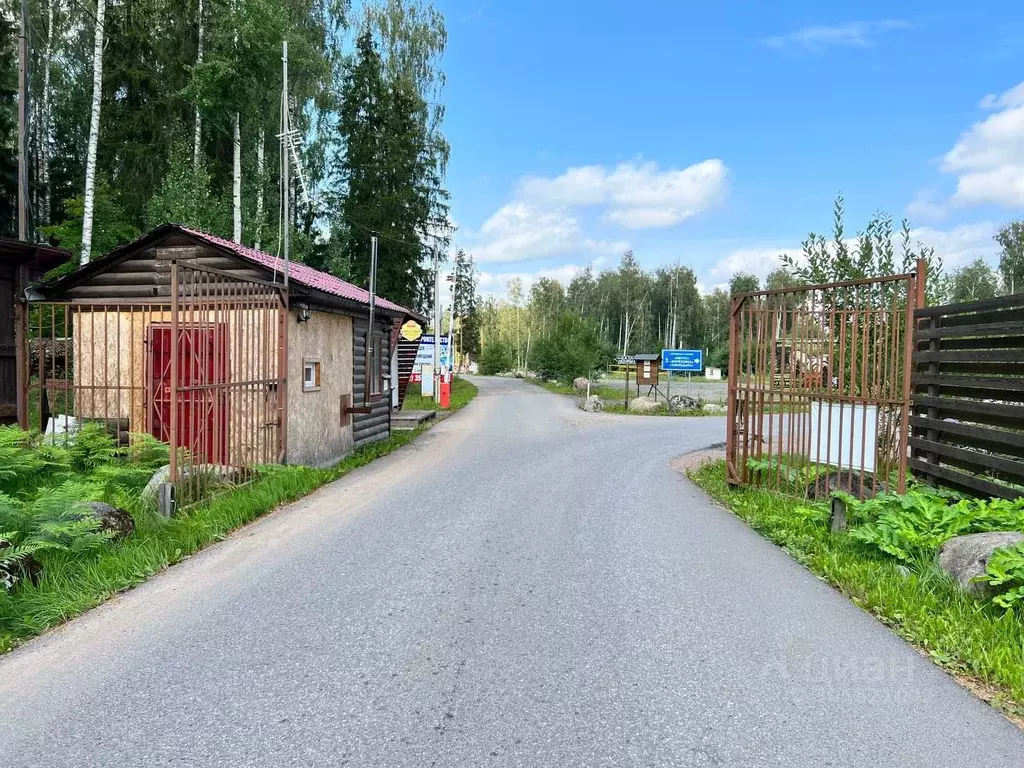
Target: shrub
574	348
496	357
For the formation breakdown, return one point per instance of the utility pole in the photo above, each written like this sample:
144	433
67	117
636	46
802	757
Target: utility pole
437	327
286	235
23	124
371	361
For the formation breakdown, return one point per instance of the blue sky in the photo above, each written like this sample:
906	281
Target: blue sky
717	134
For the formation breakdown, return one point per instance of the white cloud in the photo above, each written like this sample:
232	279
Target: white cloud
496	283
759	261
851	34
988	158
636	196
520	231
960	245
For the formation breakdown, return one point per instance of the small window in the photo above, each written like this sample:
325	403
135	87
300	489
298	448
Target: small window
310	375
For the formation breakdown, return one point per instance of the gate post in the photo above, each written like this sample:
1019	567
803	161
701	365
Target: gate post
174	372
733	474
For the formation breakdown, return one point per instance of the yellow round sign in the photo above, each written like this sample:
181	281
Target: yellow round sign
411	331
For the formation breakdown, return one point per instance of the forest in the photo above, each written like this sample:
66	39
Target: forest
147	111
567	331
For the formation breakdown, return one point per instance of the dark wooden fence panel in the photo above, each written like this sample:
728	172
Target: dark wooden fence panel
968	403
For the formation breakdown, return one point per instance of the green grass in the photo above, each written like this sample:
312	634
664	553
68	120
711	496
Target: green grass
923	605
70	585
462	392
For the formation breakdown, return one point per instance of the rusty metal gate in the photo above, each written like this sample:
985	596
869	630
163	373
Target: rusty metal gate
819	386
201	368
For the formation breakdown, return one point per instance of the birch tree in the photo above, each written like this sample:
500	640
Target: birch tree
94	132
197	143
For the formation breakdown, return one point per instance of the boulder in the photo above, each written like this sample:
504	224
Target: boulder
221	473
149	493
644	404
593	404
117	521
966	557
713	408
580	383
825	485
682	403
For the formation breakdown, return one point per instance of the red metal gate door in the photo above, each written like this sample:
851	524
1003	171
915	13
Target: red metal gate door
202	405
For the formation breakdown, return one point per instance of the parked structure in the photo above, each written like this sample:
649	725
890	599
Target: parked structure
214	347
20	264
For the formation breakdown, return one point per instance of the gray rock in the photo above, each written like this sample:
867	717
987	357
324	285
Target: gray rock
149	493
966	557
220	473
644	404
683	403
112	519
580	384
713	408
593	404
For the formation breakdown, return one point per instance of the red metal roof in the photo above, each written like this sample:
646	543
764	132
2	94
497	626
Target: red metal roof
302	274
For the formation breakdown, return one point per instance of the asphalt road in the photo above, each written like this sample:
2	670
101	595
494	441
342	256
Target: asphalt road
528	585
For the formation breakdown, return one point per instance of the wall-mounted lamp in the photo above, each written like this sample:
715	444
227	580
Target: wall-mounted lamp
304	312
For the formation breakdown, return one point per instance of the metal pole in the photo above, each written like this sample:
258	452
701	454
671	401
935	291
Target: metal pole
285	126
372	364
23	124
437	327
174	373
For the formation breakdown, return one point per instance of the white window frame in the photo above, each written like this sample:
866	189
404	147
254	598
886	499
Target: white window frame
313	382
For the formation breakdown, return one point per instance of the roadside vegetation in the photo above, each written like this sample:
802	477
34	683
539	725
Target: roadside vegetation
462	392
57	560
886	564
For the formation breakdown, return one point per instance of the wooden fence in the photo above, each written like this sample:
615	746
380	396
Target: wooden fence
968	402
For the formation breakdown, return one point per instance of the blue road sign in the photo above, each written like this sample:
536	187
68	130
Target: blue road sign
689	360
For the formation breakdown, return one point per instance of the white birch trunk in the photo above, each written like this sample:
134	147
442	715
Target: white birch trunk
44	143
198	139
236	191
94	132
260	170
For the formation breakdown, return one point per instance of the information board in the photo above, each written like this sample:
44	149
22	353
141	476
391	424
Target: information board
688	360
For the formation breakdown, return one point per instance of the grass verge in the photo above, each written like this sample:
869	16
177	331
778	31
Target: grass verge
462	392
982	645
71	584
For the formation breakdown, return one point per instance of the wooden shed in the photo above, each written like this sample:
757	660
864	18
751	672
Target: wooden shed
20	264
268	364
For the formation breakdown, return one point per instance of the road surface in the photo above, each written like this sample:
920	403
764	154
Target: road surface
527	585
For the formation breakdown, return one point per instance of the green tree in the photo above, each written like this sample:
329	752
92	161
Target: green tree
111	225
390	185
573	349
8	129
744	282
1011	256
973	282
184	196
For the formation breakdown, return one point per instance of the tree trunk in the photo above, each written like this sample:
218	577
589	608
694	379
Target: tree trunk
44	143
260	170
198	138
89	200
236	191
